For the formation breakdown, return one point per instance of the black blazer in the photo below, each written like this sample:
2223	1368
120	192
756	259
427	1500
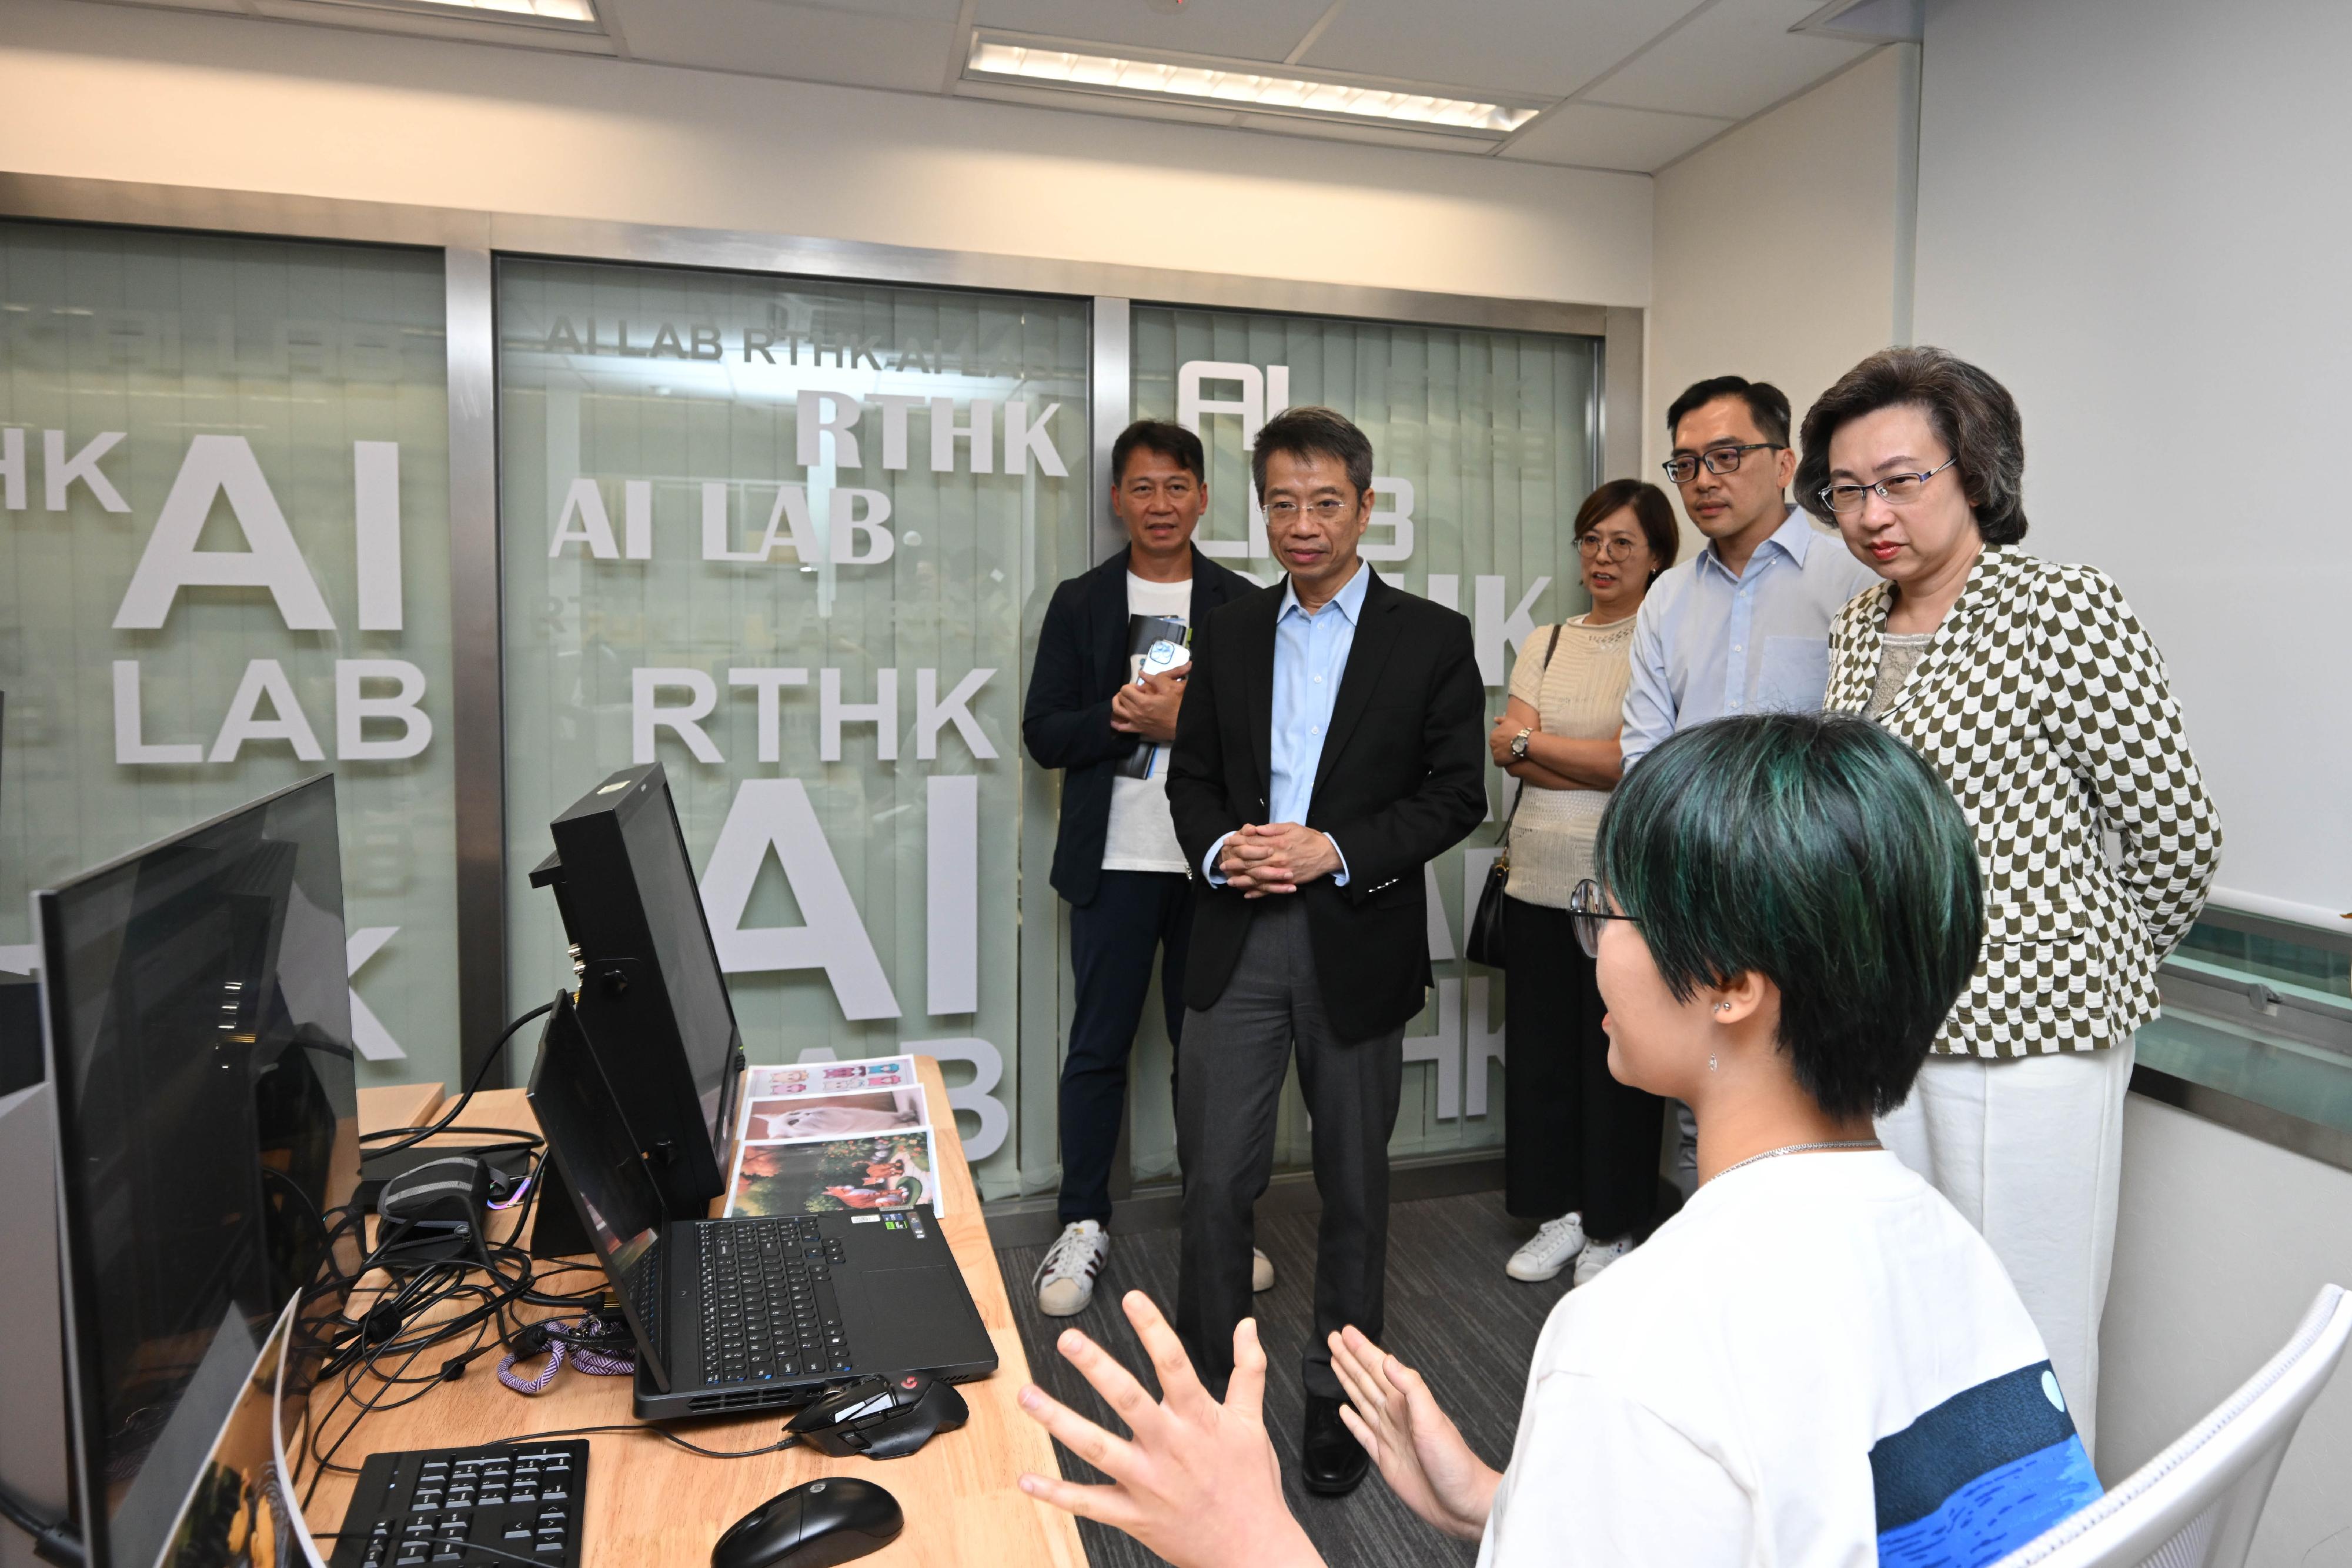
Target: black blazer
1065	721
1403	780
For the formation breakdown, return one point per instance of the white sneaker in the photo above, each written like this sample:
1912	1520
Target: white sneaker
1066	1279
1261	1271
1548	1252
1599	1255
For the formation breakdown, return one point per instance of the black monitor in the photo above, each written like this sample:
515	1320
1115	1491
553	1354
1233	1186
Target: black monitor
651	992
199	1036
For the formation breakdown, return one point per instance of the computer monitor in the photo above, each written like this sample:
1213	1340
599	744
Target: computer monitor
199	1035
651	992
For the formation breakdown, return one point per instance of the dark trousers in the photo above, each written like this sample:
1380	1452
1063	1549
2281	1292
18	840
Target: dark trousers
1573	1137
1237	1053
1111	941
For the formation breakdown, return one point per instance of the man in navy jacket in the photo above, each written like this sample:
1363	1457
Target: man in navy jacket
1116	858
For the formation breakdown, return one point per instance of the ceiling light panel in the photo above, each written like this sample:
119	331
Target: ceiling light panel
1238	85
560	13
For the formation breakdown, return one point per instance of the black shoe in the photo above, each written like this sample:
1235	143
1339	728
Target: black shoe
1331	1462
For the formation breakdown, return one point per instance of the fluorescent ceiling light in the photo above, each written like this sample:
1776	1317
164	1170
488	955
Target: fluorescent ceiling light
582	13
1234	85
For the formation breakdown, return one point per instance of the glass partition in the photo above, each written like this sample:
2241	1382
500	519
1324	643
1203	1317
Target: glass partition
791	539
224	567
1486	443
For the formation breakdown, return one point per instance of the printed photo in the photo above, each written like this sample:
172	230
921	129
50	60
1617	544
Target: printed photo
888	1172
781	1119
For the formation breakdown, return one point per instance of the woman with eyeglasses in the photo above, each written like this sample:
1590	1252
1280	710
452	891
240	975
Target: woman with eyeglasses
1579	1149
1816	1361
2035	695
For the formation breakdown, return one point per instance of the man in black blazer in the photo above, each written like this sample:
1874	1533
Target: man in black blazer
1329	746
1116	858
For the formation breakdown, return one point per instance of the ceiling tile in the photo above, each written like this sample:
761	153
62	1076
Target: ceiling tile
1598	138
1548	48
807	43
1236	29
1738	59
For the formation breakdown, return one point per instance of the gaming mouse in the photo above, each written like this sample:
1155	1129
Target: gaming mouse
880	1417
837	1520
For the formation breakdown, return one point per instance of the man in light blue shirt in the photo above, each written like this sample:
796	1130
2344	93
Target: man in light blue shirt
1329	746
1742	626
1310	654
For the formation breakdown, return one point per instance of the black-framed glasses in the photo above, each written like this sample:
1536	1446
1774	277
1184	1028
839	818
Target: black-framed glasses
1896	489
1586	909
1683	467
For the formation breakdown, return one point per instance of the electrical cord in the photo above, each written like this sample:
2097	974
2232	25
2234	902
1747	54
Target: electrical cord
55	1543
481	1074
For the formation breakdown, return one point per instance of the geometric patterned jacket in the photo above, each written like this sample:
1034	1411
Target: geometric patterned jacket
2044	706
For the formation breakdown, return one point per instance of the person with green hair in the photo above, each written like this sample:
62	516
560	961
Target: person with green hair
1818	1360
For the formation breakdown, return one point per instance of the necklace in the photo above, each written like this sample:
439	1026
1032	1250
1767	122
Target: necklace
1795	1149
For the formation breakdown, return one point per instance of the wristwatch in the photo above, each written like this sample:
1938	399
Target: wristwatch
1520	745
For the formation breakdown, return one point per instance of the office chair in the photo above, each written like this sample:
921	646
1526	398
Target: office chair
2196	1504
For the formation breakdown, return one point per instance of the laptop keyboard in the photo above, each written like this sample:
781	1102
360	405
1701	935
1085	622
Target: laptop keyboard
767	1306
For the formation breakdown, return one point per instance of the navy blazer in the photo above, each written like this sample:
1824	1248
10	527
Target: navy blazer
1082	661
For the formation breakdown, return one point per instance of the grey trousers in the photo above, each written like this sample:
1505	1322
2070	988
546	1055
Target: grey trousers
1236	1054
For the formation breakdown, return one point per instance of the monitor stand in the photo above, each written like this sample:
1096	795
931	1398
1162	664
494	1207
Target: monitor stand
555	1229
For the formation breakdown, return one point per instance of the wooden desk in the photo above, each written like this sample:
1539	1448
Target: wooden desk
651	1505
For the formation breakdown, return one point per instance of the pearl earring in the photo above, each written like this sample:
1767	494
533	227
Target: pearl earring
1722	1007
1711	1061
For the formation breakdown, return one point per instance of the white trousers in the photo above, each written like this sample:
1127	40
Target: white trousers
2030	1150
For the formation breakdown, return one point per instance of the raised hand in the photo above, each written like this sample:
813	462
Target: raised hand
1197	1481
1419	1449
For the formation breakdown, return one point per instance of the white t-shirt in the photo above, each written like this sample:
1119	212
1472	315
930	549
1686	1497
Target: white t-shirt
1142	835
1816	1363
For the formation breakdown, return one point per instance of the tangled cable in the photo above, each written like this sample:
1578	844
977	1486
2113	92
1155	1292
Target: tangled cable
587	1343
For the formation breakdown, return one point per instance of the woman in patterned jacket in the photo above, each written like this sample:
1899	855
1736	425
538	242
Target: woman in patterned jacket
2032	691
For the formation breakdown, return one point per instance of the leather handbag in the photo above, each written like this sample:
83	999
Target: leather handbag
1483	943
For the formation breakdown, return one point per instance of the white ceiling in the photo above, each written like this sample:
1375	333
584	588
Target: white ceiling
1626	84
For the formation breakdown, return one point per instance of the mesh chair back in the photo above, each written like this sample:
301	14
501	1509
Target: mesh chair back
2195	1505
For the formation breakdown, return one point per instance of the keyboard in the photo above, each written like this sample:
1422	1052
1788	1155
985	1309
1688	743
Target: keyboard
470	1507
769	1310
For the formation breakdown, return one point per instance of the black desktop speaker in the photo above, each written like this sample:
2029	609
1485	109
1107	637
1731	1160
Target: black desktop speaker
651	1000
21	1063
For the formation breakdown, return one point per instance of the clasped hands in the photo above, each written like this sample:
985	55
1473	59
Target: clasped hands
1149	708
1260	858
1197	1481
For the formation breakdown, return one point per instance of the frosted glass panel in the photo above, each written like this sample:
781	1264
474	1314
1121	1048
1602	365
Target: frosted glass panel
224	567
1485	444
792	540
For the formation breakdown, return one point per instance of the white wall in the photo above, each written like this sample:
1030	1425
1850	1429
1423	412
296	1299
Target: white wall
119	93
2221	1242
2130	211
1780	252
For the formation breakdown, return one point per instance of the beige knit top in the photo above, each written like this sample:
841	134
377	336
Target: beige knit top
1581	696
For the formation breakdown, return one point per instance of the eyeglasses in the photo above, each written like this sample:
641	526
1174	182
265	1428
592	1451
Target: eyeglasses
1586	909
1683	467
1592	547
1324	511
1896	489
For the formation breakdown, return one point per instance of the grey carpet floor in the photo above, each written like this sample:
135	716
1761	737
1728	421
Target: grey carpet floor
1453	1313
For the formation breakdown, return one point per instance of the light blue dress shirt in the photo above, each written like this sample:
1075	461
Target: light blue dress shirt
1311	656
1708	644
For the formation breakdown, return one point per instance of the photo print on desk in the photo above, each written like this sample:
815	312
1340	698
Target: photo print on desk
861	1174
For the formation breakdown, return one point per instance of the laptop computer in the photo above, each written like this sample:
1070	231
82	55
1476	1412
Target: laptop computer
737	1314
